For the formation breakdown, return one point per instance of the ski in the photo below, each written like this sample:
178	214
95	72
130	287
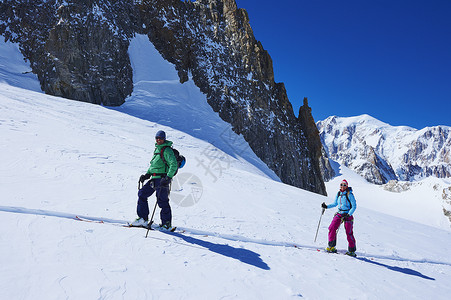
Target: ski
351	254
87	220
153	227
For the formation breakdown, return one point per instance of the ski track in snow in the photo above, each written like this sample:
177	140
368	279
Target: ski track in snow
231	237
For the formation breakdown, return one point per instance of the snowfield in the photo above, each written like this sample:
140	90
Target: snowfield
242	233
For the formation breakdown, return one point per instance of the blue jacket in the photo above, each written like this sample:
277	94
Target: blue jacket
344	206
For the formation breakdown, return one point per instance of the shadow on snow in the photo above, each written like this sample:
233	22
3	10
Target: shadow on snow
397	269
246	256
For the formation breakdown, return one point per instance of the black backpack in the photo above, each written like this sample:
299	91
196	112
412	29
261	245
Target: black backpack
180	158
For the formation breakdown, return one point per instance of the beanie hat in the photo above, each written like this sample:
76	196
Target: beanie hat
344	180
161	134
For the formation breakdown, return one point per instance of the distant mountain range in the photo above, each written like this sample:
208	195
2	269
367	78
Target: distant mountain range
380	152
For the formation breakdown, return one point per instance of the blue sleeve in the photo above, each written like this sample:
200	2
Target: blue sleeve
333	204
353	203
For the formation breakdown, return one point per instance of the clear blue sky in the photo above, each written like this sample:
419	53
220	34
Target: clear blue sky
390	59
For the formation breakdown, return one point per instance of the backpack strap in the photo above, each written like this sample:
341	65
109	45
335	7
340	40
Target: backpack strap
162	156
164	160
347	196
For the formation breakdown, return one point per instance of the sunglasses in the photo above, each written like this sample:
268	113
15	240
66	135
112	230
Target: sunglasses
343	184
159	138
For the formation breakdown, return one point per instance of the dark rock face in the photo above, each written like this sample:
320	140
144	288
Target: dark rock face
308	125
78	49
446	195
81	54
87	51
213	41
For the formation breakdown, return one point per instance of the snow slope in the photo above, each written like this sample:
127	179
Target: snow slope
159	97
14	70
422	202
246	236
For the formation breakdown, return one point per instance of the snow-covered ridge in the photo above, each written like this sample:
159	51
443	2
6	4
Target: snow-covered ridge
381	152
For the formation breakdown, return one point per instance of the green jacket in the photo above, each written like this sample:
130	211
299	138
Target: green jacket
157	165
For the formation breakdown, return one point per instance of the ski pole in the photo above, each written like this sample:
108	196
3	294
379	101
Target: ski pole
322	213
149	225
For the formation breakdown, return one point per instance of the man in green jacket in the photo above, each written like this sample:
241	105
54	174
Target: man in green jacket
163	167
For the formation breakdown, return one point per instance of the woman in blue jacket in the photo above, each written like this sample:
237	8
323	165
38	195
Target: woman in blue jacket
346	207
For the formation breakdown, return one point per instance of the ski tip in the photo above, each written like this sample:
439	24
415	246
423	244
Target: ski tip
128	225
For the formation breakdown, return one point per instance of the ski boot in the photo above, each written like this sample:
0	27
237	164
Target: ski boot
139	222
351	253
166	227
331	250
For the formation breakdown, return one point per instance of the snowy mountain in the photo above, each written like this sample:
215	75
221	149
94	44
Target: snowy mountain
244	234
380	152
79	50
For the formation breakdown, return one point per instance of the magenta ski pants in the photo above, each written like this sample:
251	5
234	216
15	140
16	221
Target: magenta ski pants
333	228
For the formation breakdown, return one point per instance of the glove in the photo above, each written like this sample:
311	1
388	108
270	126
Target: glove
144	177
165	181
323	205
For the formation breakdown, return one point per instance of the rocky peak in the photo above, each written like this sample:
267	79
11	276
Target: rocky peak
79	51
308	125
